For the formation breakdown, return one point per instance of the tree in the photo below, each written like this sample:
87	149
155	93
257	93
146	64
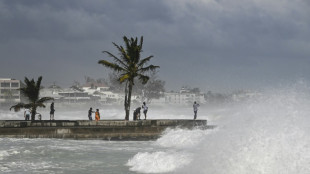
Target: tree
114	84
31	91
154	90
129	66
195	90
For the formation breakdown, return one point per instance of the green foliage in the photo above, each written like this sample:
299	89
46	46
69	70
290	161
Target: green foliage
31	90
129	66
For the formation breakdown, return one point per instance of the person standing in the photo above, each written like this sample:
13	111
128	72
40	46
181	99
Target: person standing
27	114
90	111
52	111
145	108
195	107
97	115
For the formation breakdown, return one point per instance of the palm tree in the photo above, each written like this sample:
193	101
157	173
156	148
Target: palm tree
128	66
32	92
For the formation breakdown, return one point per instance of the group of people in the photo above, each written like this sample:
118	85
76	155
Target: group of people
136	113
97	114
28	112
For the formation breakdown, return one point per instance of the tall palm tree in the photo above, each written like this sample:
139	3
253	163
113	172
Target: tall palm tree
32	92
129	66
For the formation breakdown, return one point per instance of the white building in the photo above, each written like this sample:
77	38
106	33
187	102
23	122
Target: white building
183	97
244	95
92	87
9	90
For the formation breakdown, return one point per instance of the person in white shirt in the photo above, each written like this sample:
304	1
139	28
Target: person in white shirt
27	114
195	107
145	108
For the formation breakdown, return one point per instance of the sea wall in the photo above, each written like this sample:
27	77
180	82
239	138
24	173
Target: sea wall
84	129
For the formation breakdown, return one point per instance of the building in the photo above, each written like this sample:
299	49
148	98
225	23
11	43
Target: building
92	87
75	97
9	90
184	96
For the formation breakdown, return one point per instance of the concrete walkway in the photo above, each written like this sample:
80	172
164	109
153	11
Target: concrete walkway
84	129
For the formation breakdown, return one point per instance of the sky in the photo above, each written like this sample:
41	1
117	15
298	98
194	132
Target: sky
216	45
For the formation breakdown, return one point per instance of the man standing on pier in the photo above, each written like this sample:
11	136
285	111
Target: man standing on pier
90	111
195	107
27	114
52	111
145	108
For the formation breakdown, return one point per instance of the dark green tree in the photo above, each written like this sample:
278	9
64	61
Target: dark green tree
129	66
154	89
31	91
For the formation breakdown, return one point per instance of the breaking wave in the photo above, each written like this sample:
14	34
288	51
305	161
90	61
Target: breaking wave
265	135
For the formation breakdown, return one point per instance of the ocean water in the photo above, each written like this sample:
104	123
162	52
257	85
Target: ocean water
268	134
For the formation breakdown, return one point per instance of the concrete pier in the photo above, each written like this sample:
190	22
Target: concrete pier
84	129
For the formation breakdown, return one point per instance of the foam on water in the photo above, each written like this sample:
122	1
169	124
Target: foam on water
268	134
181	138
265	135
158	162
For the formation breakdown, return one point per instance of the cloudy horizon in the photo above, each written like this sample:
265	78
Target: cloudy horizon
216	45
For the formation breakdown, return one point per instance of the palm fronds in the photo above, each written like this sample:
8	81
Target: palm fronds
129	66
32	92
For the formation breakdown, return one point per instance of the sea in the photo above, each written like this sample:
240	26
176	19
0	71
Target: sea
264	134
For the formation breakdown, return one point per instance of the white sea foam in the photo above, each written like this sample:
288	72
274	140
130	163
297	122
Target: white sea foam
267	135
181	138
3	154
158	162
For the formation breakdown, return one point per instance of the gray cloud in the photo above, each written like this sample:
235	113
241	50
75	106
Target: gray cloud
212	44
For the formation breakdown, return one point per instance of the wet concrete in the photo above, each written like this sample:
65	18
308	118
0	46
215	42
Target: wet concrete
84	129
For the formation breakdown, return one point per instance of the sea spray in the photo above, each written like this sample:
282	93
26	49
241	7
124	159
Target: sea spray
158	162
266	135
181	138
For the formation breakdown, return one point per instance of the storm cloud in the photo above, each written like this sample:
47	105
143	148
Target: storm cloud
211	44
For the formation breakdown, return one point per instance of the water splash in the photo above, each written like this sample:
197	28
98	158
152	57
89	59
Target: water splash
158	162
265	135
269	134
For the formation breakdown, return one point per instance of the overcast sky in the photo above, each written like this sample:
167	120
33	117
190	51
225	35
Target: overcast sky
217	45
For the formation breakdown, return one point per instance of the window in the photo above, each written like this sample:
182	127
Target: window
4	91
14	91
5	84
15	85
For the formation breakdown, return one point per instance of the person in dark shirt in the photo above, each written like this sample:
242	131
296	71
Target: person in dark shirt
145	108
195	107
90	111
136	114
52	111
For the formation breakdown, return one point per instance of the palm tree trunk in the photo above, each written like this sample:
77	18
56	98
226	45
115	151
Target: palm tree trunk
129	100
33	112
126	101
